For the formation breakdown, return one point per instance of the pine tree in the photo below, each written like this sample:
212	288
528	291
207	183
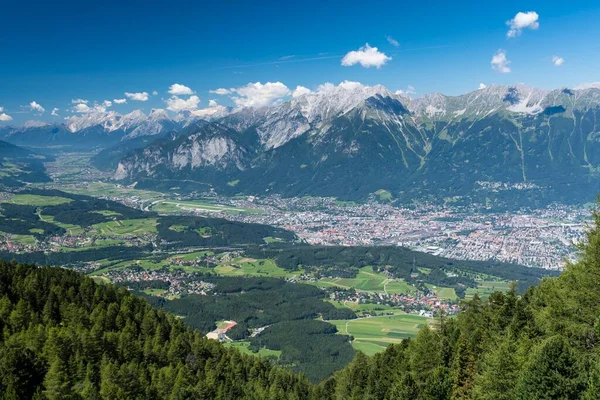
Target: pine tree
57	383
499	374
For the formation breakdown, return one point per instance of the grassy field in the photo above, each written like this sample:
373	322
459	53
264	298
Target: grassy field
25	240
126	227
108	213
485	288
35	200
71	229
100	279
155	292
252	267
374	334
443	292
192	256
264	352
369	281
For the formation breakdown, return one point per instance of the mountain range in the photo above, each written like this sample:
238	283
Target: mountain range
352	141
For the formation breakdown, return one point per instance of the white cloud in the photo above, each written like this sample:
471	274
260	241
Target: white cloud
54	112
120	101
259	95
558	61
143	96
588	85
1	109
482	86
300	90
36	107
178	104
392	41
77	101
154	93
221	91
82	108
523	20
366	56
5	117
177	89
325	87
407	92
500	62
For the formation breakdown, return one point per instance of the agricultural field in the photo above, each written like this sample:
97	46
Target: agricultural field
251	267
485	288
446	293
369	281
374	334
244	348
126	227
71	229
35	200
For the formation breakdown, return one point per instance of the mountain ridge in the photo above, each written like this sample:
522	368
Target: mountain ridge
351	140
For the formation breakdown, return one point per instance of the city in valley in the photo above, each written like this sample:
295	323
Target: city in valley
545	237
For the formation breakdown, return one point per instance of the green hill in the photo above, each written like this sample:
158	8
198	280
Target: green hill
65	337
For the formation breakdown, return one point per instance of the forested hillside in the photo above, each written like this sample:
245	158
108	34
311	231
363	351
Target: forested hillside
64	337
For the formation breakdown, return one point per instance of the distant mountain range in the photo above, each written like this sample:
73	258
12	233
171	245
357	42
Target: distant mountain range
351	141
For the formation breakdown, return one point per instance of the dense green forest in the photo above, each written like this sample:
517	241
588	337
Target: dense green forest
288	309
64	337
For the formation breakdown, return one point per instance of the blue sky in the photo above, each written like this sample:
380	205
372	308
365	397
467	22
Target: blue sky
53	52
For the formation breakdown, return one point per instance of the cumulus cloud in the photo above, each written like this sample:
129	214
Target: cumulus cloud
154	93
140	96
1	109
482	86
259	95
5	117
178	89
325	87
221	91
82	108
77	101
392	41
410	90
54	112
120	101
558	61
366	56
299	91
36	107
500	62
178	104
523	20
